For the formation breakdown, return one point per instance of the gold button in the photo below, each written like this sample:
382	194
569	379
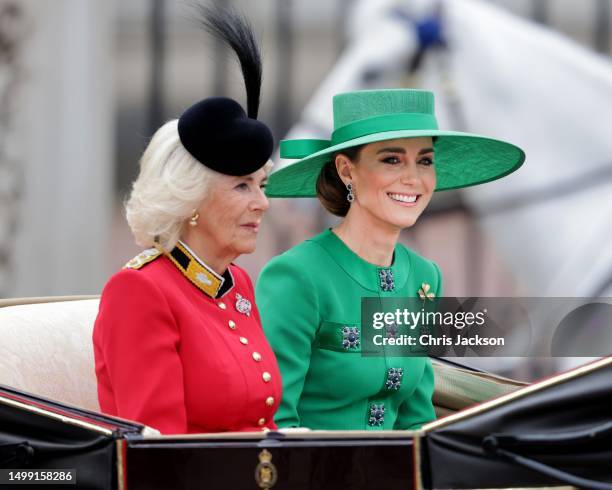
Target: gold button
256	356
266	376
222	305
244	340
261	421
232	324
270	401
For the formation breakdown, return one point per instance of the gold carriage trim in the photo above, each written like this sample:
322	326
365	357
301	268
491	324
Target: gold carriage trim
56	416
520	393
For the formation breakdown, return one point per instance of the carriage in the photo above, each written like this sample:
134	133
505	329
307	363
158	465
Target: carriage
491	432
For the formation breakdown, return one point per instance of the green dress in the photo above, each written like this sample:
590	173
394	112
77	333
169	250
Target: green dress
309	299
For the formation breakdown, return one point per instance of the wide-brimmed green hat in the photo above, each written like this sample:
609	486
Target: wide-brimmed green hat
367	116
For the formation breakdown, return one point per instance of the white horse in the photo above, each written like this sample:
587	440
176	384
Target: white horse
506	77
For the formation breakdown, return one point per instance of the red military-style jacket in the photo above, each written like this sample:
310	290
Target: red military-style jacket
181	349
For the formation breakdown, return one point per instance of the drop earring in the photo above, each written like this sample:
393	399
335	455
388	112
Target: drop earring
193	221
350	197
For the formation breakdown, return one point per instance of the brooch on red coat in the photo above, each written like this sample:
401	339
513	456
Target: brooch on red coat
243	305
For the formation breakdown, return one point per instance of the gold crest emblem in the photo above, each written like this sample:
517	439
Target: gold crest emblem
265	472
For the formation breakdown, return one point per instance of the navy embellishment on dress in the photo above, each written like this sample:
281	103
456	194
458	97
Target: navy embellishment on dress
394	378
350	337
377	415
387	283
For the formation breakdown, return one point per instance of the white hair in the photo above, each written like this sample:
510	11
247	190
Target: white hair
170	185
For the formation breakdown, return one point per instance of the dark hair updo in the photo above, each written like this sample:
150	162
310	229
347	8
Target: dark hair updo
331	191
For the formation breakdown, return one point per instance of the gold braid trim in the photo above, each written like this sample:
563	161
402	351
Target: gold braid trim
198	273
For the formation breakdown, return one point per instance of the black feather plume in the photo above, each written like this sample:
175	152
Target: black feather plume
235	30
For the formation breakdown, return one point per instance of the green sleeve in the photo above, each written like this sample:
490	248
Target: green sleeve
418	409
289	311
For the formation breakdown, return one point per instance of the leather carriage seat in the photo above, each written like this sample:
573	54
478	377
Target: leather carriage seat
46	350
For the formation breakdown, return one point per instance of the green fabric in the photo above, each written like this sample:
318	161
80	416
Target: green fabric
305	297
377	124
302	148
368	116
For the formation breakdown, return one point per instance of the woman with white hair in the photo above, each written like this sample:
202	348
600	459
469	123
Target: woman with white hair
178	341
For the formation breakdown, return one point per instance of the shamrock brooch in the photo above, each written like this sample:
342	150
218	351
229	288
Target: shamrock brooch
424	292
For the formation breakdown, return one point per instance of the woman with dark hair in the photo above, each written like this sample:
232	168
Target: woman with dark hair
178	342
378	173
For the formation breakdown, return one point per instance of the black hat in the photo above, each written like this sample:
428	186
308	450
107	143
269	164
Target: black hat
217	131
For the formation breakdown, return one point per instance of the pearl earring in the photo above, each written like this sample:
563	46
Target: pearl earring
193	221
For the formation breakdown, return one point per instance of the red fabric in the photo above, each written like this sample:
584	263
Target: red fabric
166	357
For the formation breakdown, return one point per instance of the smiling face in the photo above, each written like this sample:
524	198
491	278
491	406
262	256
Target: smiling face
230	216
393	180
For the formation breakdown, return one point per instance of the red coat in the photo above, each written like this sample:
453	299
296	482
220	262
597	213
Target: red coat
171	357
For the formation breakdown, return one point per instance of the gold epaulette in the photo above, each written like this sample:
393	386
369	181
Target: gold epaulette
144	257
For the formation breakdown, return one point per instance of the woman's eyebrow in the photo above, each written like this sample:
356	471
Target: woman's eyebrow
251	179
398	149
426	150
401	150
